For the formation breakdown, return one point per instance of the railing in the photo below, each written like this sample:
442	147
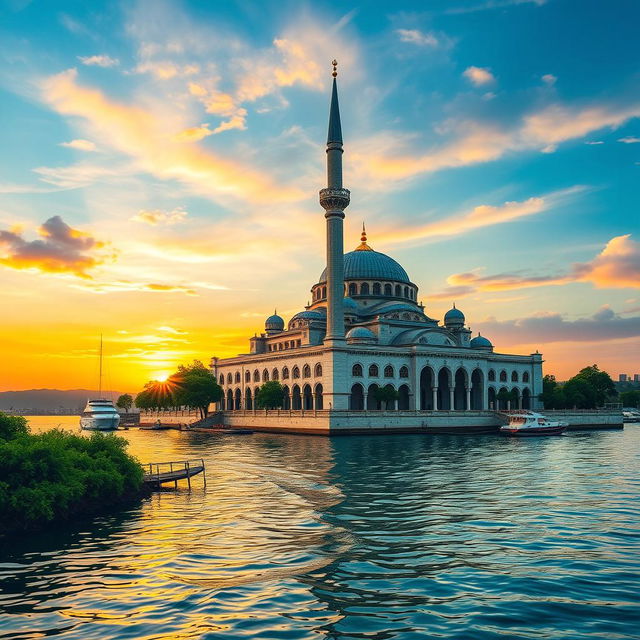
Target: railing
174	470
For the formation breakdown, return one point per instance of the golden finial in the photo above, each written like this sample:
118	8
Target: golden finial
335	68
363	241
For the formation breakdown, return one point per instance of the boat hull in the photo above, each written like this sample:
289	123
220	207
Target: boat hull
533	431
94	423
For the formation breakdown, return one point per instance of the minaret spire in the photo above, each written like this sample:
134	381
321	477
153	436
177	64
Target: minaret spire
334	199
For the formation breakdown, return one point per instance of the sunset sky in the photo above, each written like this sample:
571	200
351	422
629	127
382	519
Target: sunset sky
160	166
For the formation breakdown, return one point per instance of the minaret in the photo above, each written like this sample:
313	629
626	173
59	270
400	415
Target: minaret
334	200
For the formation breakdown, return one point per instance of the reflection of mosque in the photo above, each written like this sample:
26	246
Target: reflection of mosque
365	329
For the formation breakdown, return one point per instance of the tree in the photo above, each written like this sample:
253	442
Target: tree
600	382
504	396
270	395
125	401
12	426
630	398
386	395
194	386
579	394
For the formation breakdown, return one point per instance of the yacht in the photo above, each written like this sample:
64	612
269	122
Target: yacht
529	423
101	414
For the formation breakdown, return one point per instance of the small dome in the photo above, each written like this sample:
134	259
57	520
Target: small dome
274	323
480	342
361	334
350	306
454	317
311	314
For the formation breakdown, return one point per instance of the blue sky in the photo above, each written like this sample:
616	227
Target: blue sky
492	147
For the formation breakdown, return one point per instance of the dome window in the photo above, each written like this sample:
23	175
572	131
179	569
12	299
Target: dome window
353	289
387	290
376	289
398	291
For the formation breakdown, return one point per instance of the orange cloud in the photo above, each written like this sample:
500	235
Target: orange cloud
61	249
478	76
144	136
81	145
157	216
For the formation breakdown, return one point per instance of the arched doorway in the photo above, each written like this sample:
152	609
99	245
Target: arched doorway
390	405
248	400
477	390
426	389
307	398
502	396
356	399
372	401
296	398
403	398
238	400
317	395
515	398
492	399
460	390
286	398
444	385
230	400
526	398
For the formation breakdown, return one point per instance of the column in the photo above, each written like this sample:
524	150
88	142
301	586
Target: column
434	391
452	398
468	398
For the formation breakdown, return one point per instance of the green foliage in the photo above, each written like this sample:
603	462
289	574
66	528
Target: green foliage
194	386
630	398
125	401
12	426
270	395
55	475
601	383
588	389
386	395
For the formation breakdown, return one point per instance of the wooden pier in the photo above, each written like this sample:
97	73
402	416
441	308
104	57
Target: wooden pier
158	473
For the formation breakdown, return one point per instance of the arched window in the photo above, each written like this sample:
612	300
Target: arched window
398	291
295	373
492	375
317	371
356	371
376	288
221	379
387	290
503	376
388	371
364	289
373	371
406	316
306	371
353	289
247	376
229	378
285	373
237	376
274	375
404	372
525	376
406	292
514	376
265	376
324	292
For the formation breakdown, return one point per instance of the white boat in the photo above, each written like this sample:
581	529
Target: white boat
630	415
530	423
101	414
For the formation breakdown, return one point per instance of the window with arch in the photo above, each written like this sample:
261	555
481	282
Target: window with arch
229	378
237	376
387	290
265	376
514	376
503	376
373	371
221	379
376	289
285	373
388	371
353	289
306	371
404	372
295	373
247	376
275	375
525	376
406	316
398	291
317	372
356	371
364	289
324	292
406	292
492	375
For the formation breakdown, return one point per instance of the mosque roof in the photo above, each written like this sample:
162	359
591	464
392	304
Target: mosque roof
480	341
453	314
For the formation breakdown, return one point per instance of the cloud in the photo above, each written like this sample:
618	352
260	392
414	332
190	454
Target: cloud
549	79
193	134
166	70
143	135
617	266
493	4
99	61
157	216
414	36
478	76
81	145
381	158
594	142
74	176
629	140
60	249
546	327
172	330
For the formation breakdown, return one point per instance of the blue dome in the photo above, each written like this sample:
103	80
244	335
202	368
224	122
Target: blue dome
361	334
308	315
274	323
370	265
454	316
350	305
479	342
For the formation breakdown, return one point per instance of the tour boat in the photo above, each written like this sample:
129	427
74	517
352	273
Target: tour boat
101	414
529	423
630	415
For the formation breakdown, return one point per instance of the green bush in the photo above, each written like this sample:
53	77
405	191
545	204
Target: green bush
56	475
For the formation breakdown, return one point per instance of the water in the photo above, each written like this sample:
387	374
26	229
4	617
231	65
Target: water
357	537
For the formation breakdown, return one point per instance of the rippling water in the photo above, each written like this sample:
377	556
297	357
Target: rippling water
382	537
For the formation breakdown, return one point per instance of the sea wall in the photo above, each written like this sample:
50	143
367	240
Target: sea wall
580	419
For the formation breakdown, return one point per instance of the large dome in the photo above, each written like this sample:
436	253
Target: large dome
370	265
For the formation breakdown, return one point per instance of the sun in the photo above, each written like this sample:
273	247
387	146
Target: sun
161	376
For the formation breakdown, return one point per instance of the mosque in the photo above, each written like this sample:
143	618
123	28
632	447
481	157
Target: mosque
365	331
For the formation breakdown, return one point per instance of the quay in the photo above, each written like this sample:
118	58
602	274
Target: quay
161	472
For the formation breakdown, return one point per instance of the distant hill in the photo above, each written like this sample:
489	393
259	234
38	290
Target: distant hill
72	400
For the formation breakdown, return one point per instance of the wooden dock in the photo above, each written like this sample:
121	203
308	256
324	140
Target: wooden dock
158	473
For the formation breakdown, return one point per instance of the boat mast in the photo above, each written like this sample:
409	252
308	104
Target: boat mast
100	377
